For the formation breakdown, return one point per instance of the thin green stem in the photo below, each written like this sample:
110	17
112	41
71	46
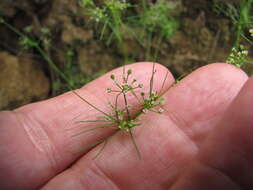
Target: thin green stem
109	116
152	80
126	106
105	140
157	47
92	129
91	121
14	29
116	107
103	29
164	81
124	73
117	84
134	143
101	149
135	95
54	67
100	141
248	40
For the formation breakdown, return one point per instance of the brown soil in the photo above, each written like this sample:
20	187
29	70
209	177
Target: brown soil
203	37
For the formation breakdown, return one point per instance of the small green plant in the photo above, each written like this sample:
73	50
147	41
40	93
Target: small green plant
84	3
110	16
154	99
116	18
156	18
242	19
121	119
156	23
238	55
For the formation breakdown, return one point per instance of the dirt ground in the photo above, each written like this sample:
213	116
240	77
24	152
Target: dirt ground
203	37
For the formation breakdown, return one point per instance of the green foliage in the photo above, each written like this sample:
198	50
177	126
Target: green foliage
111	18
114	17
156	17
66	78
121	119
110	15
84	3
27	42
153	99
238	56
242	15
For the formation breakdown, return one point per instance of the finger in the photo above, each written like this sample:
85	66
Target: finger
165	144
36	140
225	160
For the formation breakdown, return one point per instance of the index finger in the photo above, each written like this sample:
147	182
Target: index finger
168	141
43	129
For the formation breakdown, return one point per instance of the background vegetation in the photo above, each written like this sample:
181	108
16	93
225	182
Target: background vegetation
48	46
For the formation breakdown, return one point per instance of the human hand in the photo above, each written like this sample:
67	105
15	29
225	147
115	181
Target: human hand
200	142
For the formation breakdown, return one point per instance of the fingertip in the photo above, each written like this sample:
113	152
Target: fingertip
228	149
220	77
239	117
223	71
224	160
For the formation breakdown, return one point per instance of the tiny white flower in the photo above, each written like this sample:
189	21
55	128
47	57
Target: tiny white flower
161	110
145	111
245	52
251	32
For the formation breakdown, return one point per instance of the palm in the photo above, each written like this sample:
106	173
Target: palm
37	149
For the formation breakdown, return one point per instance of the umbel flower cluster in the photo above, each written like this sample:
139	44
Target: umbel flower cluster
121	119
238	55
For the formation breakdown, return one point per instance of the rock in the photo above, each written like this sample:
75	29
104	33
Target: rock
7	8
71	33
10	7
92	59
64	17
21	81
129	46
194	46
60	10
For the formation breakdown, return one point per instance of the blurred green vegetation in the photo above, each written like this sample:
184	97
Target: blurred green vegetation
143	21
115	23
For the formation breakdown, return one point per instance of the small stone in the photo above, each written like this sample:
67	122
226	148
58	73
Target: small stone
21	81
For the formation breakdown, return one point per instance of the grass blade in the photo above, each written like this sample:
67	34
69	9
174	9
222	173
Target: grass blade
91	121
164	81
87	102
91	129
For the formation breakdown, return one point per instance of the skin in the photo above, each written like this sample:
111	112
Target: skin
202	141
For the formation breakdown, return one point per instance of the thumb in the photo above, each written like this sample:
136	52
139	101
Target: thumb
225	160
